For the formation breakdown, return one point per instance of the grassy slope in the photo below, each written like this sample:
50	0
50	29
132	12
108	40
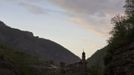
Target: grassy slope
21	61
96	62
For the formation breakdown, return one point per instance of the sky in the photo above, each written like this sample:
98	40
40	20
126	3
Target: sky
75	24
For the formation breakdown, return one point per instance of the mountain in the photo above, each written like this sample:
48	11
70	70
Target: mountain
26	42
13	62
96	62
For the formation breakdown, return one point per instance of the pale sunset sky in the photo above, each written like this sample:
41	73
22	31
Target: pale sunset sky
74	24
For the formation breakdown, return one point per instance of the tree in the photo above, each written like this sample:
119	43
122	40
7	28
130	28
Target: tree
122	34
119	30
129	7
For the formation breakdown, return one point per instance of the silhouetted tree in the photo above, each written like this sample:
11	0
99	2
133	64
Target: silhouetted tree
118	32
123	29
122	34
129	7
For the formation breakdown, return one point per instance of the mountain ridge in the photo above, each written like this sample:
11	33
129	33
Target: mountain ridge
27	42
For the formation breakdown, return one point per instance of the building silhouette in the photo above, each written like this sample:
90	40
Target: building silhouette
78	67
84	64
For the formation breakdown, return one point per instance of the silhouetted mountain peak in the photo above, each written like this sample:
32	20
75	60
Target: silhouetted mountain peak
26	42
2	24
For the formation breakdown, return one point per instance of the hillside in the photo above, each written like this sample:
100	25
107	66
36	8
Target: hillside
96	62
26	42
13	62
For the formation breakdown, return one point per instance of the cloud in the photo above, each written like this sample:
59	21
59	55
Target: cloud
30	5
36	6
93	15
90	6
97	26
33	8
